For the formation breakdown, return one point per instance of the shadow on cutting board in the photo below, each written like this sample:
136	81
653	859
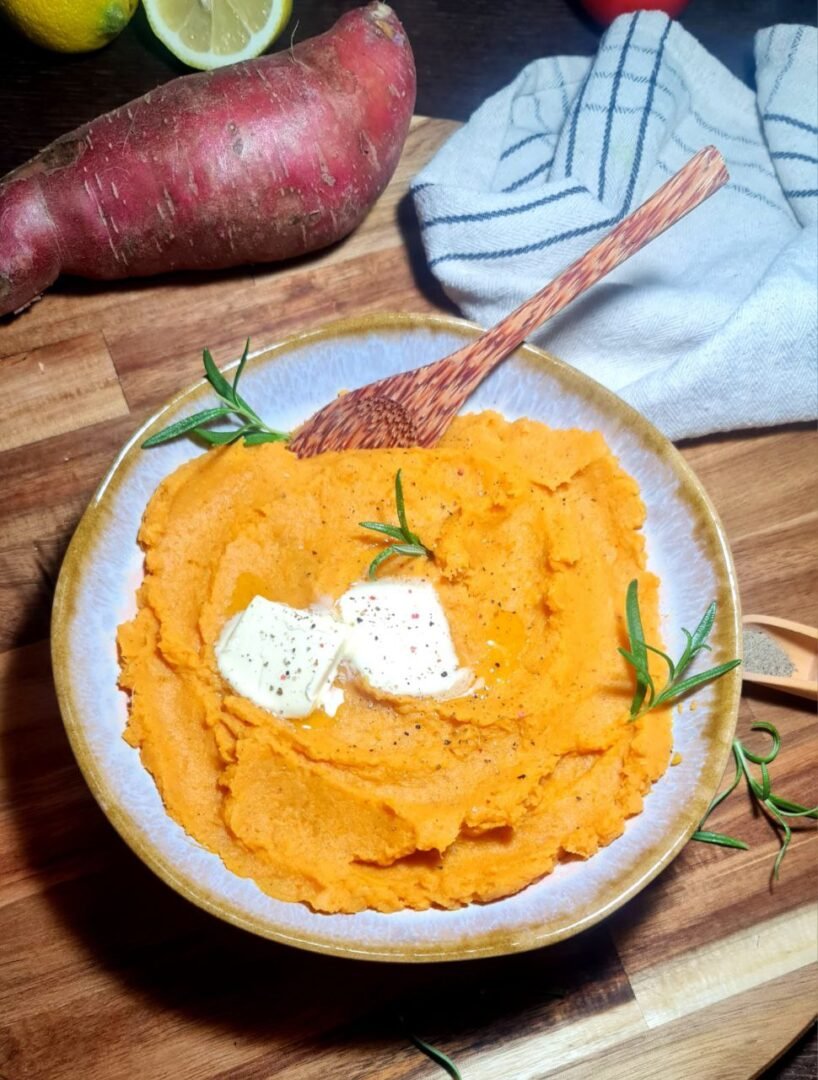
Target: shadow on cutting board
92	925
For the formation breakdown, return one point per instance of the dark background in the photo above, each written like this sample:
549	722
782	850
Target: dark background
464	49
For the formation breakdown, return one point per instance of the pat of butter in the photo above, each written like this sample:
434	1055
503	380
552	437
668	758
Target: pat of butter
400	640
283	659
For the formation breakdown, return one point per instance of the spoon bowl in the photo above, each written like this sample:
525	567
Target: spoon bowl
800	644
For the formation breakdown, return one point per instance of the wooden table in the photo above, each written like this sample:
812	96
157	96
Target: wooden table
105	974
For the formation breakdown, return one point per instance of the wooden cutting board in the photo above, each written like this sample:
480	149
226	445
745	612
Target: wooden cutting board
107	974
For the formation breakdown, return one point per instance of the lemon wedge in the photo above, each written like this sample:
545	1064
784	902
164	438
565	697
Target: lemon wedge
211	33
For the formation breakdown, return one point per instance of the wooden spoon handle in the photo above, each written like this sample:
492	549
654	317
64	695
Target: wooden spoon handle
695	182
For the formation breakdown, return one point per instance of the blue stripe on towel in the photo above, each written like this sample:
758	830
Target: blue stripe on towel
803	194
720	131
783	119
643	126
523	142
623	110
606	143
730	160
740	188
474	256
487	215
572	134
529	176
799	33
791	155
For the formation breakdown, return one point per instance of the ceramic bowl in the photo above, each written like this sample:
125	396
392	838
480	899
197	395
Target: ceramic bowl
287	383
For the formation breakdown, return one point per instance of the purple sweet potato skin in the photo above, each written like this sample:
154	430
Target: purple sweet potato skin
252	163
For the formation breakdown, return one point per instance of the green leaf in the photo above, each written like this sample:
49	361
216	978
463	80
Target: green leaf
441	1059
727	791
253	430
702	631
683	663
636	636
674	691
218	438
719	838
791	809
241	405
388	530
785	843
381	557
409	549
182	427
216	379
776	807
765	781
241	364
256	438
772	731
671	666
399	503
409	543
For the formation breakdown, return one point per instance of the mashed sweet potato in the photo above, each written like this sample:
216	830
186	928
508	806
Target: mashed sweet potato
398	803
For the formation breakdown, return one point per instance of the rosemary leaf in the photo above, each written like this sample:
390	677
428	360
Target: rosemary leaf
676	690
256	438
777	808
441	1059
410	537
388	530
772	754
218	438
253	429
182	427
240	367
644	683
216	379
409	543
382	556
719	838
791	809
645	696
409	549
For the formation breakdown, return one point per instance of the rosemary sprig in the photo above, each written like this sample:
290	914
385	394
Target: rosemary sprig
409	542
432	1052
253	429
645	695
777	808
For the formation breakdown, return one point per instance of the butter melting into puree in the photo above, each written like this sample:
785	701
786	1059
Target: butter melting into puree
394	802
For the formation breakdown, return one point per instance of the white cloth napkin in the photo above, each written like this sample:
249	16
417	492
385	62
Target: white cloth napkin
713	325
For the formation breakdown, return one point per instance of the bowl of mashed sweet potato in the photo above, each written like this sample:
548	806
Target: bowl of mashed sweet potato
402	824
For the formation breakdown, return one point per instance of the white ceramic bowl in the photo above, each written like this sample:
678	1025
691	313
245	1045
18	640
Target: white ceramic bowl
287	383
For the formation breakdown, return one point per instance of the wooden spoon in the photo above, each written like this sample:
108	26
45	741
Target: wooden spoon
414	408
800	643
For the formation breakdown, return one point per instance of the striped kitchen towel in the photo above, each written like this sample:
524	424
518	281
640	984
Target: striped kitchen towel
713	325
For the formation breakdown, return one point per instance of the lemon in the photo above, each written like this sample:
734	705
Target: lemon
69	25
212	33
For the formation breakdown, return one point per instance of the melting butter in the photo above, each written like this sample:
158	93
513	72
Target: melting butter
394	634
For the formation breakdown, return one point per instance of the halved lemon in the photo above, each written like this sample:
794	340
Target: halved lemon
211	33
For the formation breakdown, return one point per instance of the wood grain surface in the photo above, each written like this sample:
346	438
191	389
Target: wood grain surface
105	974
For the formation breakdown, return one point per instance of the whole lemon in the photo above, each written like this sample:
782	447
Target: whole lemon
69	25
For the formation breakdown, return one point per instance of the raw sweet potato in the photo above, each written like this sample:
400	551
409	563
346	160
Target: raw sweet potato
256	162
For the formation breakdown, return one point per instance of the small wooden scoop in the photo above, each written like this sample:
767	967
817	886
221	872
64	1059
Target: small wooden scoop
414	408
799	642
